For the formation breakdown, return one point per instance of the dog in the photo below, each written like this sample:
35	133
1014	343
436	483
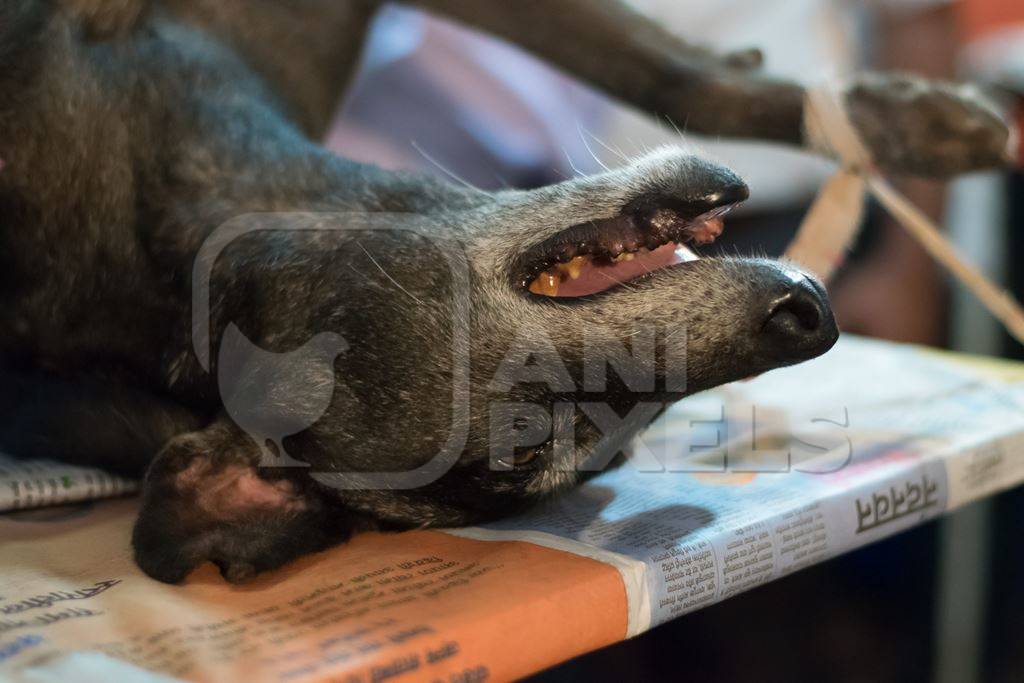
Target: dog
134	135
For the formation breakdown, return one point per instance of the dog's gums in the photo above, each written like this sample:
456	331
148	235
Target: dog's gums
591	258
585	275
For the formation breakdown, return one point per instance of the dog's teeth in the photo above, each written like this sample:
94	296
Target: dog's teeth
546	283
573	268
625	257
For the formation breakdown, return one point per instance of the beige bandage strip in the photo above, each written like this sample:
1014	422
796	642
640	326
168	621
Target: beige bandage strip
833	220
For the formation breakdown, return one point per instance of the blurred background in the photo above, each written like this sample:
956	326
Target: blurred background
942	603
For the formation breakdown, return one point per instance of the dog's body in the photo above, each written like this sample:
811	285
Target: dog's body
129	134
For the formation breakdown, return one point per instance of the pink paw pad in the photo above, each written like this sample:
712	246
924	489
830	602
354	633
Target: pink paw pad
235	490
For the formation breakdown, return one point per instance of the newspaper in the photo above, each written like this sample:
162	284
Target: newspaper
905	438
39	483
728	491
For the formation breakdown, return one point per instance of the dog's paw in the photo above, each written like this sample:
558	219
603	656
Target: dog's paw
915	125
203	502
169	545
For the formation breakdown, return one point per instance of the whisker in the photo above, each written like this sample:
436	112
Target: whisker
661	121
451	174
618	282
583	139
568	158
617	152
674	126
642	146
381	269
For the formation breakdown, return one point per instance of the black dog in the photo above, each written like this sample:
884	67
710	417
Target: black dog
354	320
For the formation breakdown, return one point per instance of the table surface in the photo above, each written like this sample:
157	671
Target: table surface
928	433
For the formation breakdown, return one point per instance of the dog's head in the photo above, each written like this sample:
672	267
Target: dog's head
529	335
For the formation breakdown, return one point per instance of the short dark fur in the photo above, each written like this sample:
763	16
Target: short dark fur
130	131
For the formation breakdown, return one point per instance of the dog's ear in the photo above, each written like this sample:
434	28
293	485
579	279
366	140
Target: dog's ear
107	19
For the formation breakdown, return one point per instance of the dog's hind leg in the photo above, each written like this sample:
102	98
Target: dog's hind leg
88	421
206	497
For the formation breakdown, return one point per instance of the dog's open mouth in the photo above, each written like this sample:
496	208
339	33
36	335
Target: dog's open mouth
593	257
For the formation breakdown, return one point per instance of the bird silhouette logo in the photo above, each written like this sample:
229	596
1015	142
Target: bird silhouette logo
275	395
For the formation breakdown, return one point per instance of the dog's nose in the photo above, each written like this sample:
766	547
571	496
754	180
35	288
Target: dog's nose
798	322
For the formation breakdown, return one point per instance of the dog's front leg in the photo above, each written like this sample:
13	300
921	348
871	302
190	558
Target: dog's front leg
207	498
910	124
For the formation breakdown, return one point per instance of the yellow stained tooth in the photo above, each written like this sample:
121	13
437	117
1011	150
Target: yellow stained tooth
552	284
546	284
625	256
575	266
572	269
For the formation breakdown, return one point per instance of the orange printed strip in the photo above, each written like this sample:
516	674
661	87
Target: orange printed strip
408	607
